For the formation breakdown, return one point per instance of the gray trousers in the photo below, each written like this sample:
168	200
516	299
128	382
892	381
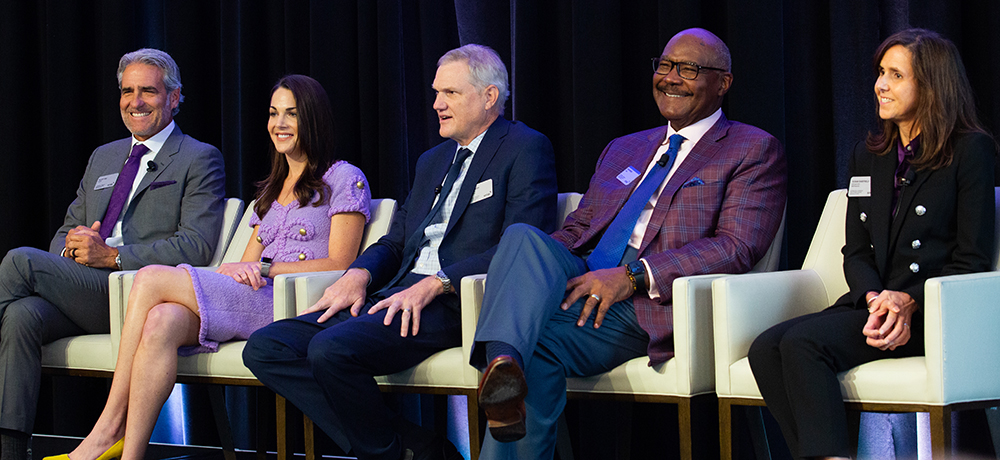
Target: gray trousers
43	297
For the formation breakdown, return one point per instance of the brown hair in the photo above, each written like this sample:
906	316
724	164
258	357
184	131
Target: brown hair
945	105
315	133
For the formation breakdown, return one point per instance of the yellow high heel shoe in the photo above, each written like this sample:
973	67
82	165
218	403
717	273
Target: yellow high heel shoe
115	451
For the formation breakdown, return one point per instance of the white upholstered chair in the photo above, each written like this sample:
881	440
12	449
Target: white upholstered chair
959	370
448	371
94	355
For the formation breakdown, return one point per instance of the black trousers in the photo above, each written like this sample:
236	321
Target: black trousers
796	363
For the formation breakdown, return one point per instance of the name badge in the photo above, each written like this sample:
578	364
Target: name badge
104	182
483	191
628	175
861	186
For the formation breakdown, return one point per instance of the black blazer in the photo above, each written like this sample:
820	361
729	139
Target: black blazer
520	163
944	226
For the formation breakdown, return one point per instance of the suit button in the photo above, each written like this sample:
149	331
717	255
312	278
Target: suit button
302	256
864	217
920	210
914	267
302	231
915	244
259	240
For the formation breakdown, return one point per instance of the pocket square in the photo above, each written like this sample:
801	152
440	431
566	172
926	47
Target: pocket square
156	185
693	182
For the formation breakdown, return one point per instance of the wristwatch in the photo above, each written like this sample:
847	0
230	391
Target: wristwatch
636	271
445	281
118	260
265	267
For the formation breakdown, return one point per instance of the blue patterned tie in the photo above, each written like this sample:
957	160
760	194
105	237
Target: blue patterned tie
610	249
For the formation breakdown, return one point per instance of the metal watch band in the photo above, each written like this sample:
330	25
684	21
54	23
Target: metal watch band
265	267
445	281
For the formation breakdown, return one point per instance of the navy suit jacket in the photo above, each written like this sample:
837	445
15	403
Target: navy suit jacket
520	163
718	212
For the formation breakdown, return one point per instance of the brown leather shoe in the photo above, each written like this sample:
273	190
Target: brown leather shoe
501	395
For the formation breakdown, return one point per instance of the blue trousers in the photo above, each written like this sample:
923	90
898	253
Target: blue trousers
43	297
524	287
328	369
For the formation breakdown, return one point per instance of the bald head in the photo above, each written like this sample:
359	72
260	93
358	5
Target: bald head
714	47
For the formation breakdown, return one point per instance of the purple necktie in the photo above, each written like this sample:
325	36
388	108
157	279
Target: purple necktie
123	185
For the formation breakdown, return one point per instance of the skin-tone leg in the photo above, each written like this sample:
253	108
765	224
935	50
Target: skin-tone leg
168	326
153	285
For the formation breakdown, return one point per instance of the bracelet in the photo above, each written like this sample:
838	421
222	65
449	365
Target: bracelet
631	278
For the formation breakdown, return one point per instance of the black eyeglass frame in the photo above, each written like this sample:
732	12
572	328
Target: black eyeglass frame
697	68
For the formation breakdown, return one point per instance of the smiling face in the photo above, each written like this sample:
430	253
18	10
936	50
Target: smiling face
683	102
145	104
896	91
282	122
463	112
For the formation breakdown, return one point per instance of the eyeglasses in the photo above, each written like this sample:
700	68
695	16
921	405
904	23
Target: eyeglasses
686	70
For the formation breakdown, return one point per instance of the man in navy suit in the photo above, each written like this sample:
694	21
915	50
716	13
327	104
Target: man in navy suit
398	303
552	311
169	212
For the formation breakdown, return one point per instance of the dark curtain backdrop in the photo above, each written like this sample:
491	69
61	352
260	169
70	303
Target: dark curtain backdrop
580	73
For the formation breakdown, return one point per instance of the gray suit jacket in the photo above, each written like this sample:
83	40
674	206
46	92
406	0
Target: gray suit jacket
176	213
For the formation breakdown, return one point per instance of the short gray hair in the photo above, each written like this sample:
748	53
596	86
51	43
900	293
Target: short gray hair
485	67
155	57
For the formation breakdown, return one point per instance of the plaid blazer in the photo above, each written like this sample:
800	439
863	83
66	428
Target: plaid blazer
718	213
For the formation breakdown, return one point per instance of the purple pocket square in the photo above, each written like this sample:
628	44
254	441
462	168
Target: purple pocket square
693	182
156	185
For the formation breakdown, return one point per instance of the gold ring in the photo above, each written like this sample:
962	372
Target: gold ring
596	297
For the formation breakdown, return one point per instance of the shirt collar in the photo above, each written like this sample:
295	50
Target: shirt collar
473	146
693	132
155	143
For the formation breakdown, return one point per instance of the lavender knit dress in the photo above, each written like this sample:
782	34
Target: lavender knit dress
231	310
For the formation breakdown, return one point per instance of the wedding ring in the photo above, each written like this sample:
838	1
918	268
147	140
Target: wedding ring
596	297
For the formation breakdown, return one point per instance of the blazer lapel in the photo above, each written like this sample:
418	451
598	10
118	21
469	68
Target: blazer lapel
697	158
487	149
163	158
883	173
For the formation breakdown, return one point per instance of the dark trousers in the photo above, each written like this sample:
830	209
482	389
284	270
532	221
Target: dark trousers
43	297
526	283
328	369
796	363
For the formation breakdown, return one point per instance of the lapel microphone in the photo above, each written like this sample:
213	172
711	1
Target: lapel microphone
150	166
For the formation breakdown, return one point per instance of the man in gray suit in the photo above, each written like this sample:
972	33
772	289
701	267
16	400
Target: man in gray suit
152	198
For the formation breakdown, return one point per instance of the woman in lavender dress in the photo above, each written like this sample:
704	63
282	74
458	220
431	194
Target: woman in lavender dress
307	218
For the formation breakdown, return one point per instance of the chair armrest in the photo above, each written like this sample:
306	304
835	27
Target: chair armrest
960	340
693	344
284	294
119	286
309	288
473	287
746	305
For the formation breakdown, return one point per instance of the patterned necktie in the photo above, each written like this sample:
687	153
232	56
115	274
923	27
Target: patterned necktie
610	249
123	186
419	238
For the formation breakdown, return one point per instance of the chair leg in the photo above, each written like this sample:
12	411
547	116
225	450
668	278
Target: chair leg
725	429
684	428
940	432
217	396
309	432
283	427
262	428
476	433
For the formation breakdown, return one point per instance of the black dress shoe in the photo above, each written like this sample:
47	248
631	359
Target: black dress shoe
501	395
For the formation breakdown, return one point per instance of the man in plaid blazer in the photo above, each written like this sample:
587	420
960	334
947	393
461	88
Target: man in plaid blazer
548	315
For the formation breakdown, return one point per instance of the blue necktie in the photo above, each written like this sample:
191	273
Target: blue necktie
419	237
610	249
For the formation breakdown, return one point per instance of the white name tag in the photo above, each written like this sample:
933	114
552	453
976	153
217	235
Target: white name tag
861	186
483	191
628	175
104	182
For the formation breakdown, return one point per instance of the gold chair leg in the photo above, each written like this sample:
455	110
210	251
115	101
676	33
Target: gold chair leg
725	429
940	432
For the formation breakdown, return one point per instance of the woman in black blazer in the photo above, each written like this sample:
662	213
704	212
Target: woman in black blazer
920	205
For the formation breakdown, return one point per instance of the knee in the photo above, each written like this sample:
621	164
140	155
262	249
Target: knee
17	263
165	325
261	349
765	348
328	354
20	322
151	277
519	232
